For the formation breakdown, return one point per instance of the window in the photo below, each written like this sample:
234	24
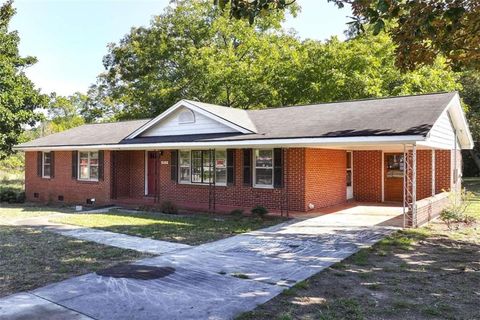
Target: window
221	166
200	166
186	116
46	164
349	169
263	167
395	166
184	164
88	165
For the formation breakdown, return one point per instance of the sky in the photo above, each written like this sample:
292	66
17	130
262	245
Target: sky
70	37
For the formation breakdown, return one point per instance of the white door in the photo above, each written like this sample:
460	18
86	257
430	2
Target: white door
349	175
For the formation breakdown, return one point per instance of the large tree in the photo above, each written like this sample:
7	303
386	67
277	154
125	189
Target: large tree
18	96
195	51
420	29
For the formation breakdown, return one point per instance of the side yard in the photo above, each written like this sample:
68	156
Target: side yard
428	273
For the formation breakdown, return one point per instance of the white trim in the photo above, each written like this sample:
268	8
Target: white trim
258	143
351	174
43	165
146	173
383	175
193	107
254	176
459	122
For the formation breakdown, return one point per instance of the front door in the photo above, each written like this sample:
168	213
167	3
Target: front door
394	170
349	175
152	172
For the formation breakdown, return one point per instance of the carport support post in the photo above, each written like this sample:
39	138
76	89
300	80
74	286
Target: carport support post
410	186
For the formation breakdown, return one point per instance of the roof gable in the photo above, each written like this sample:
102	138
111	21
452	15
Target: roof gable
213	119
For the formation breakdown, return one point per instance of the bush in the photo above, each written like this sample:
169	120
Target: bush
237	213
12	196
169	207
259	211
455	213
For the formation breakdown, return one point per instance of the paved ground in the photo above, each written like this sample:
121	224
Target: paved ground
113	239
216	280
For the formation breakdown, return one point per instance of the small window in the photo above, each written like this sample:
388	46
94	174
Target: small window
263	167
185	163
186	116
88	165
46	164
395	166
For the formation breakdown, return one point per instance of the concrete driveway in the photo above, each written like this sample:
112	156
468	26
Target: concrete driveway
218	280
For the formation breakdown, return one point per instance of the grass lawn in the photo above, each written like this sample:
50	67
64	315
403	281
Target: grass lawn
191	229
31	258
427	273
10	212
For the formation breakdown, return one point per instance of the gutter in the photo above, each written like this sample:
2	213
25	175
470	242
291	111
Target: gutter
295	142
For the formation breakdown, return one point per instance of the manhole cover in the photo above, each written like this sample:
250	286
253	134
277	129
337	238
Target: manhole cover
135	271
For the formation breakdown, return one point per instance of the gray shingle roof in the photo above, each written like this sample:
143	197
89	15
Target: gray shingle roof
407	115
88	134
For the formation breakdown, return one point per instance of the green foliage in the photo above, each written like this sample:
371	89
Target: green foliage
11	195
260	211
237	213
18	97
169	207
195	51
456	212
421	29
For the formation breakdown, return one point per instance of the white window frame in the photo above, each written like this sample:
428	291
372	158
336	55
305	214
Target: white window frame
89	152
263	186
180	167
43	165
222	184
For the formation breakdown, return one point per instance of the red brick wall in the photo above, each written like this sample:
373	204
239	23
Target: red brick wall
429	208
325	178
367	175
442	170
129	174
74	191
238	196
424	174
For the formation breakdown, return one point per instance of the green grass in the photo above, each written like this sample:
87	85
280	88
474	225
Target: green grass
31	258
192	229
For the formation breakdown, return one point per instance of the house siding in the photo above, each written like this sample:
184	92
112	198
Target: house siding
62	184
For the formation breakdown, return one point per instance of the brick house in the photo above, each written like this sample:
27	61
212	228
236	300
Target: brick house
200	156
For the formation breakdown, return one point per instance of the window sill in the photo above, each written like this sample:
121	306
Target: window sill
87	181
46	178
200	184
263	187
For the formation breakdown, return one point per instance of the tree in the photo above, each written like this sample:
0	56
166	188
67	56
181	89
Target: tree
195	51
18	97
421	29
470	94
63	113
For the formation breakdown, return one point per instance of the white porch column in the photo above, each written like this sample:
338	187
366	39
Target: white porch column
433	172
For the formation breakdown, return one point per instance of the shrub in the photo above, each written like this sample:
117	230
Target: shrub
237	213
21	197
456	212
259	211
8	195
169	207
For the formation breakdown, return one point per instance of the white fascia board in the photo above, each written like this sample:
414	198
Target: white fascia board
459	121
189	105
297	142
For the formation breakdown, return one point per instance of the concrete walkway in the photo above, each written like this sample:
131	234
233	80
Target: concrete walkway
113	239
206	283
